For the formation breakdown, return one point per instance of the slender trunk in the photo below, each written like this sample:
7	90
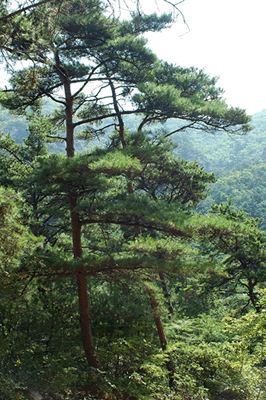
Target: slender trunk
155	309
251	294
85	322
119	116
87	340
166	293
157	317
162	336
158	320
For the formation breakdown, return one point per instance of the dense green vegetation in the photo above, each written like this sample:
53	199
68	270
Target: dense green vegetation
113	285
223	152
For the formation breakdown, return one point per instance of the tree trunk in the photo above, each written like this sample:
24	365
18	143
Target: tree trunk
85	322
162	336
155	309
166	293
87	340
156	314
252	298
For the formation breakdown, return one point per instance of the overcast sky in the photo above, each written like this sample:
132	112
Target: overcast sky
227	39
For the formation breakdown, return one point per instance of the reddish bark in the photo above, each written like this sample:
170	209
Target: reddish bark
162	336
85	322
76	225
167	293
155	309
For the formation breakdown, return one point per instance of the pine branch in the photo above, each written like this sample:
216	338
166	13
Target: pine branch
21	10
167	229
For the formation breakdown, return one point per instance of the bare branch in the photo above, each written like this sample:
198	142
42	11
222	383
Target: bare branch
87	80
21	10
55	137
94	272
167	229
179	130
27	164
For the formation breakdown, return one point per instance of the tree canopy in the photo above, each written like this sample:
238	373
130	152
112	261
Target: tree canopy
117	219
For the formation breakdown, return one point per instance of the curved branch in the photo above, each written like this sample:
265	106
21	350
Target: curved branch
167	229
21	10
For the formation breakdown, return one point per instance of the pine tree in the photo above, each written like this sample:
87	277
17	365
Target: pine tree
133	182
235	237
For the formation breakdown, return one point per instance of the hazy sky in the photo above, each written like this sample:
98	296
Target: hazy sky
227	39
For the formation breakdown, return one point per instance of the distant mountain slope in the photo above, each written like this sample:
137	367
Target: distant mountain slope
223	152
215	152
239	162
17	126
246	185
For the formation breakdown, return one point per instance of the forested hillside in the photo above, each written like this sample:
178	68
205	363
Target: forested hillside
217	152
113	286
220	151
238	161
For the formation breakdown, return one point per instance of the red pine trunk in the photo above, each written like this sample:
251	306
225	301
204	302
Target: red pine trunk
85	322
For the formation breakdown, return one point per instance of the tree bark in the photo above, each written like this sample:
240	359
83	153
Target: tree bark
167	293
155	309
162	336
85	322
252	298
156	314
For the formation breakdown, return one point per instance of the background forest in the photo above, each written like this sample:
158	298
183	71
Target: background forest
120	277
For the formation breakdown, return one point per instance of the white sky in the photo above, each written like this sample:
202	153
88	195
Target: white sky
227	39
